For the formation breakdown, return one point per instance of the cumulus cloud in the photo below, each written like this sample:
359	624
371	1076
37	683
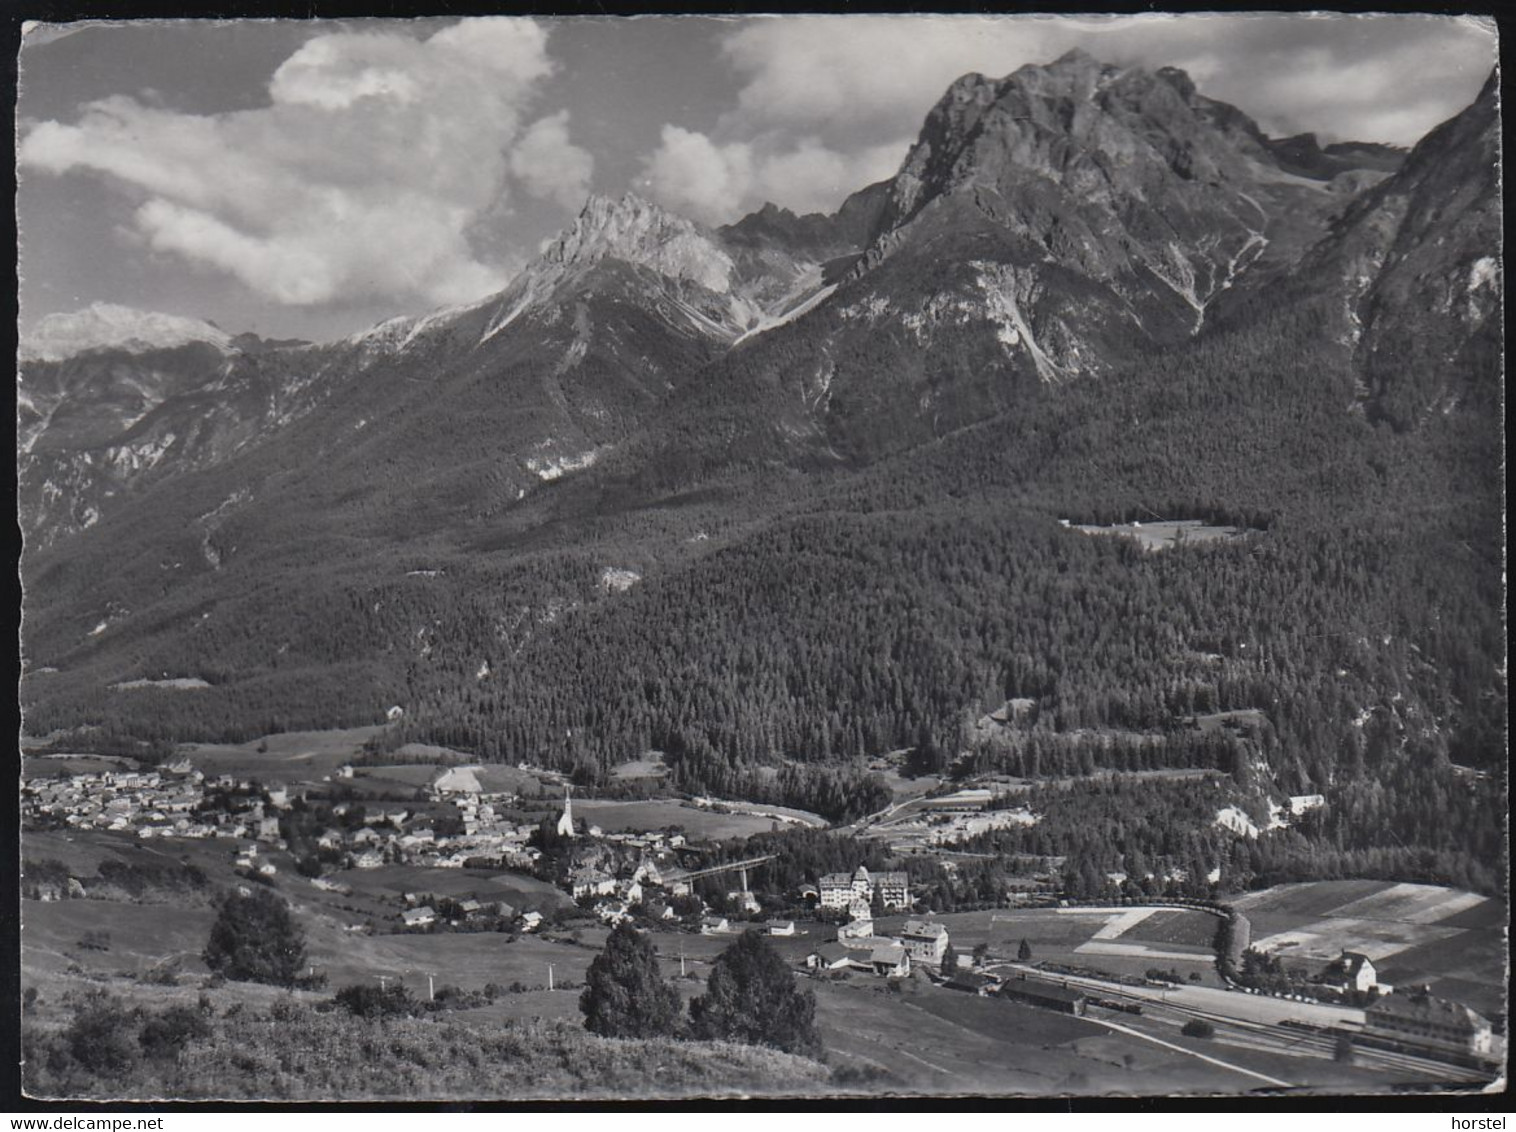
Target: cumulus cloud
693	174
827	104
360	178
549	166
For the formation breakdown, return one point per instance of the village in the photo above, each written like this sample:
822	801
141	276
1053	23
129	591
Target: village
1087	962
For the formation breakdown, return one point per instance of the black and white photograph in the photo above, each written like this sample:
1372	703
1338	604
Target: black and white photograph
602	558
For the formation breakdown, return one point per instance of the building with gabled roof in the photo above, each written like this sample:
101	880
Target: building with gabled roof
1420	1018
927	942
890	960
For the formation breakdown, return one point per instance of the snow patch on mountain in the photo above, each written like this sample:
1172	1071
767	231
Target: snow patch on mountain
112	326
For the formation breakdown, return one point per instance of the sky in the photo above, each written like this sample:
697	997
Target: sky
311	178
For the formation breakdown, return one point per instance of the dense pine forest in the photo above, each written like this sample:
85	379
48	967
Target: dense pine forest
889	606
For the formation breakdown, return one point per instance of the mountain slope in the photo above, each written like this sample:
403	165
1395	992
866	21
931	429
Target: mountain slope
557	521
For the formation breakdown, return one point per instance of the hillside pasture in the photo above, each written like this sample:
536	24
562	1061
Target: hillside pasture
1448	939
650	765
1183	928
288	757
141	937
55	766
525	893
698	824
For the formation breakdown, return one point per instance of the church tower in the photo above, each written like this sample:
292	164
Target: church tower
566	822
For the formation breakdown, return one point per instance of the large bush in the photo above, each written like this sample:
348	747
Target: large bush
376	1002
103	1035
165	1034
256	940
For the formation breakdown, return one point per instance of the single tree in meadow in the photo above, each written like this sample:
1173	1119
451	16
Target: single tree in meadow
255	940
1024	952
624	993
949	962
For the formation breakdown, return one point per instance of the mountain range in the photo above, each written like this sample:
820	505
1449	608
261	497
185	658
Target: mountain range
733	492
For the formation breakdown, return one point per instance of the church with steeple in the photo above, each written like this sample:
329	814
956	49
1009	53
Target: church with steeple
566	822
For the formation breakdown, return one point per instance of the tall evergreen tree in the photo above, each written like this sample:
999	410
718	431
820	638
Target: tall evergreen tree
256	940
751	997
625	995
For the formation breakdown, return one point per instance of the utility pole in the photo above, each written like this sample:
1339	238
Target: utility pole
431	989
681	960
549	976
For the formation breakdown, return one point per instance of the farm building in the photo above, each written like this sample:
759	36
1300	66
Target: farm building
1049	996
972	982
1355	971
926	942
780	927
1419	1018
714	925
829	957
418	917
891	960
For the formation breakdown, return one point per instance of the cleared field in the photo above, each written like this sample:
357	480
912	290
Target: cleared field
1096	938
290	756
141	936
525	893
1288	906
468	960
650	765
701	824
51	766
1182	928
1163	534
1414	933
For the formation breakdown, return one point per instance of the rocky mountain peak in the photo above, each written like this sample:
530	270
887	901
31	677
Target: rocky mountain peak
112	326
639	232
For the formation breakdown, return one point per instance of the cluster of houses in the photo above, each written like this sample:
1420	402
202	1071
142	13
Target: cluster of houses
423	910
620	872
150	803
919	942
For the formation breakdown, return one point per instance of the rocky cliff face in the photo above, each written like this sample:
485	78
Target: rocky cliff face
1162	197
1414	266
99	427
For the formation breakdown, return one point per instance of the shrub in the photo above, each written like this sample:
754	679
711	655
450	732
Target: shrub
164	1035
376	1002
1198	1028
102	1036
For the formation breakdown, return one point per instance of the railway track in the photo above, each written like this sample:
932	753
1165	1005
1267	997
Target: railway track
1272	1036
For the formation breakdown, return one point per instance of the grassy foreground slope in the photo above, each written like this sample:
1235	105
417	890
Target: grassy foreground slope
292	1052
